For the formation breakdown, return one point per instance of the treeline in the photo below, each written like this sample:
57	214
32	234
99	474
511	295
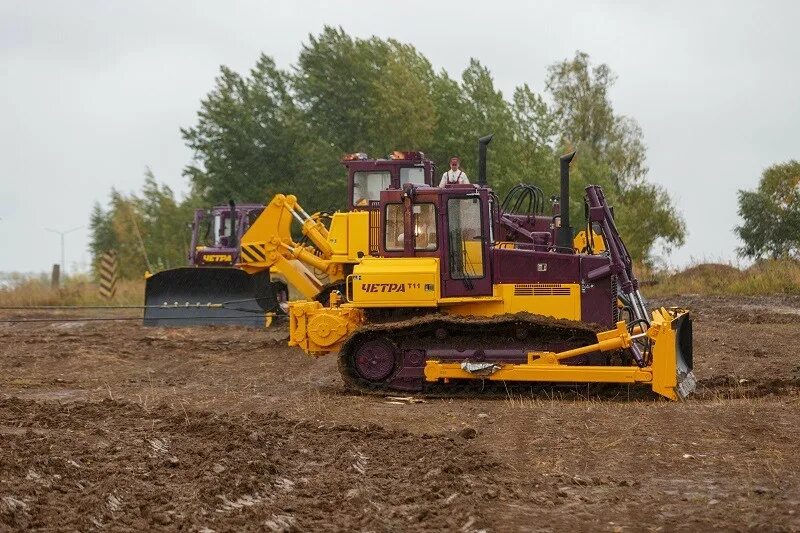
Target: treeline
273	130
149	230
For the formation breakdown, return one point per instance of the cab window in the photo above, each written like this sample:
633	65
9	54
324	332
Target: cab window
394	228
465	238
415	175
426	237
367	186
222	229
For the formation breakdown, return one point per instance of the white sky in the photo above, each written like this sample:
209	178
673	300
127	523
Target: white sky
91	92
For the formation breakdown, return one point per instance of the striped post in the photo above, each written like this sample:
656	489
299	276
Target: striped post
108	274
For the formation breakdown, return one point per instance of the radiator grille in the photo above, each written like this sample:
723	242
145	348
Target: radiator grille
374	232
541	289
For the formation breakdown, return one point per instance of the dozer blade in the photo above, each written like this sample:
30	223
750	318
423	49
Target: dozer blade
671	332
181	297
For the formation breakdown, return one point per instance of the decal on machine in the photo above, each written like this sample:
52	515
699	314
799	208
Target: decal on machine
388	287
218	258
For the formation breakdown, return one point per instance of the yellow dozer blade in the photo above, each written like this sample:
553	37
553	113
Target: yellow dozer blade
671	333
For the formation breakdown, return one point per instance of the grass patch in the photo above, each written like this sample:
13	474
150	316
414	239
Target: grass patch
75	290
776	276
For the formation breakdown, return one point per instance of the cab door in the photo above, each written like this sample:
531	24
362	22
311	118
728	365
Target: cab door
465	261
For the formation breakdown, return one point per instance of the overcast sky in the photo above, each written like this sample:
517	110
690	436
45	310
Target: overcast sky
92	92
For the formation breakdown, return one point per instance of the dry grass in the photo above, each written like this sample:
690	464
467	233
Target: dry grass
780	276
76	290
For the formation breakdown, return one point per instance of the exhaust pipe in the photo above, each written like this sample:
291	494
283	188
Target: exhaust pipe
482	142
233	241
564	239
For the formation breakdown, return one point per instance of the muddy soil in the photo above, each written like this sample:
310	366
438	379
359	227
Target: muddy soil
111	426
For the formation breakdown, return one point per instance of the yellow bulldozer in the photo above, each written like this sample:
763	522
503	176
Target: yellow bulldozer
439	285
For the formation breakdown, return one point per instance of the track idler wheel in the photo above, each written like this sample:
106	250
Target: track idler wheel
375	359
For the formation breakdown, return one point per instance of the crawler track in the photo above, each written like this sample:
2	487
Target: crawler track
391	356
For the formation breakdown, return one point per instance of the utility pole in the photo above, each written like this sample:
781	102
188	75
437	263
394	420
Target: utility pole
62	233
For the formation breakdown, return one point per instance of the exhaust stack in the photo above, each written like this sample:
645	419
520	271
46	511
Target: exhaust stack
482	142
564	239
233	242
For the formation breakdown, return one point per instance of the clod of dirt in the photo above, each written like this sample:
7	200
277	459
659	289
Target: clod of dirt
468	433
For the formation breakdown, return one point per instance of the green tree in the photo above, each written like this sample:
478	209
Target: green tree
113	229
127	226
249	137
334	80
489	112
612	153
403	115
148	231
452	131
586	118
535	134
771	214
163	222
102	237
365	95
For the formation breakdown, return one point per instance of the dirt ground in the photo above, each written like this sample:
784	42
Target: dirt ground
109	425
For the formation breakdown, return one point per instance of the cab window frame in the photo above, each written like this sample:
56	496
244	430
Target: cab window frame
484	255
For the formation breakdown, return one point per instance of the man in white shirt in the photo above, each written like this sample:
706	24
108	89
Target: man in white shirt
454	175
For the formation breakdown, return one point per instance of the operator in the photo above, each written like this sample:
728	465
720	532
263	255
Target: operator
454	175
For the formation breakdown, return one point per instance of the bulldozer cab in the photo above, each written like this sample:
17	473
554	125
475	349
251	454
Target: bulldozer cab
366	178
216	233
452	224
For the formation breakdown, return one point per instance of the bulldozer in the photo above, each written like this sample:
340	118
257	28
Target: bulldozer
440	285
218	287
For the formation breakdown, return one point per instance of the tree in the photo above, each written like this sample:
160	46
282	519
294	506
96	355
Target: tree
249	137
587	120
771	214
611	153
403	115
535	134
149	232
334	80
452	131
489	112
